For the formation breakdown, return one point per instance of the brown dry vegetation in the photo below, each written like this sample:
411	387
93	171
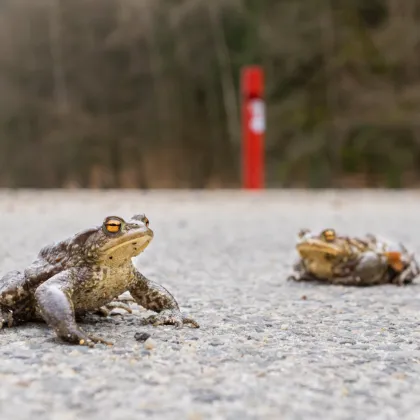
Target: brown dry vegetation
144	93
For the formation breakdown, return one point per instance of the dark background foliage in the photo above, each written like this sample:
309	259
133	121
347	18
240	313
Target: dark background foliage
145	94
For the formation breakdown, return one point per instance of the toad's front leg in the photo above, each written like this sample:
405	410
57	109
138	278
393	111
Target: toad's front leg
156	298
299	273
54	301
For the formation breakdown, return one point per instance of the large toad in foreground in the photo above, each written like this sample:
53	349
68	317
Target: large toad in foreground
85	273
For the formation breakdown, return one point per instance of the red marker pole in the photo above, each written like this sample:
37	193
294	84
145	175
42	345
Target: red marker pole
253	127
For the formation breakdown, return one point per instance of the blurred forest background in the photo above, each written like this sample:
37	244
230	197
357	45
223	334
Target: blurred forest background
145	93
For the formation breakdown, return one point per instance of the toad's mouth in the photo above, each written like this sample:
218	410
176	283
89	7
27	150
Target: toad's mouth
315	246
137	242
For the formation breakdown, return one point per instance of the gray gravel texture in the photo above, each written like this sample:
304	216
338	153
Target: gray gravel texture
266	349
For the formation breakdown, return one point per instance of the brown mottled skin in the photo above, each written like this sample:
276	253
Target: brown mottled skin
87	272
352	261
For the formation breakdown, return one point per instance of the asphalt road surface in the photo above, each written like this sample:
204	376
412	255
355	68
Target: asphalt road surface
266	349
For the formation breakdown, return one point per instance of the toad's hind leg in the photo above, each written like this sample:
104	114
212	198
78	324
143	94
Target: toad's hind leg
371	269
6	318
16	302
408	274
54	298
12	288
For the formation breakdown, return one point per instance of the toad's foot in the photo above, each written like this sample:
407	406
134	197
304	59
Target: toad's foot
294	278
81	338
107	309
124	298
301	277
170	317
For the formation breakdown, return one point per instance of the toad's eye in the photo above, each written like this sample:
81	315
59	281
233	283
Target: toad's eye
146	221
329	235
113	226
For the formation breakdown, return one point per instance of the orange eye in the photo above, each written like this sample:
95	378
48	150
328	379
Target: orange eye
329	235
113	226
146	221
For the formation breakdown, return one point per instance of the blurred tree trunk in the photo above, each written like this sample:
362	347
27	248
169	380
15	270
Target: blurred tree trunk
228	87
60	88
334	134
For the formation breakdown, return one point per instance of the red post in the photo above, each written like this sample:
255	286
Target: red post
253	127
